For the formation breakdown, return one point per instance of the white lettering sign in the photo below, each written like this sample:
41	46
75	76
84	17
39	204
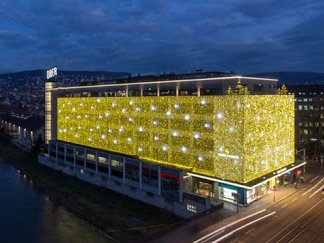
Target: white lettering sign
228	156
51	73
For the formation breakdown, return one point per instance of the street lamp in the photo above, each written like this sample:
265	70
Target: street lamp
304	156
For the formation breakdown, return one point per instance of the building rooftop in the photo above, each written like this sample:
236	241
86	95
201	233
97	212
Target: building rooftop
31	123
183	79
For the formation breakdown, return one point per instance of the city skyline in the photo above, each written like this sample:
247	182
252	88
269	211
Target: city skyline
162	36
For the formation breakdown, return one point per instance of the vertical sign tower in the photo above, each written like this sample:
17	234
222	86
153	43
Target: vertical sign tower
50	83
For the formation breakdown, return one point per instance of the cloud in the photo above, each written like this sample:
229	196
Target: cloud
162	35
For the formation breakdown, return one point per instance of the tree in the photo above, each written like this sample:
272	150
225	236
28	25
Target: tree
229	91
282	90
37	145
240	89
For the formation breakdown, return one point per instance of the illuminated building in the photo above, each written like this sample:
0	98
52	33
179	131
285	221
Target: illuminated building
309	130
170	144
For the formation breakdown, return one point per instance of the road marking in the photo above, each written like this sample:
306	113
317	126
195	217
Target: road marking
249	231
319	189
224	227
311	189
212	236
284	206
314	179
242	227
270	240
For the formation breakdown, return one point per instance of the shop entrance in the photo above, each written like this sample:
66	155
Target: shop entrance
204	187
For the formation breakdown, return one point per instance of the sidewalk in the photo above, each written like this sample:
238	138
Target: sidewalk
222	217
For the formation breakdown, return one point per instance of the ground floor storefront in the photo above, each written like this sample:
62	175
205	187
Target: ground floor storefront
239	193
183	193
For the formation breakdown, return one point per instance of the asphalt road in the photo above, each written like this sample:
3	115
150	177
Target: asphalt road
299	217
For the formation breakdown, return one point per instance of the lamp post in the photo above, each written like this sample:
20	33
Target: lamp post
304	156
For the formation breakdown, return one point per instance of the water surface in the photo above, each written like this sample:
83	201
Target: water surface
26	215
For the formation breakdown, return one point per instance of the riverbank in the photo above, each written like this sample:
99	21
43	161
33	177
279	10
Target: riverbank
118	216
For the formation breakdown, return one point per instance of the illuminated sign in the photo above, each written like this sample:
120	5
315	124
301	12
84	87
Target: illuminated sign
230	156
51	73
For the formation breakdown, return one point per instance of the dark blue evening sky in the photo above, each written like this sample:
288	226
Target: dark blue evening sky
162	35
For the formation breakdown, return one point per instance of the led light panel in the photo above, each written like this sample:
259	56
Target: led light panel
234	137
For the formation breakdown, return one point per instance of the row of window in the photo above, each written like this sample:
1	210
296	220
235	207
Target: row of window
115	164
310	132
309	108
310	124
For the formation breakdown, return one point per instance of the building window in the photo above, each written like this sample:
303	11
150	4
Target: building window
91	166
116	166
91	157
258	89
170	184
69	151
150	175
103	159
103	169
132	170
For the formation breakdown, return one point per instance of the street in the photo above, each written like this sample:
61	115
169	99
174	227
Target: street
299	217
290	215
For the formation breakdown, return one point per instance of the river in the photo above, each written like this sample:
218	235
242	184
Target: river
26	214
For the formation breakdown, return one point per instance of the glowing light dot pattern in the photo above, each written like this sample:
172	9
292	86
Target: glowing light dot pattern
196	135
184	149
164	147
219	115
207	125
177	106
175	133
234	146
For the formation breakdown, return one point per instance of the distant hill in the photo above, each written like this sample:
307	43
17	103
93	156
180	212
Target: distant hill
294	78
23	76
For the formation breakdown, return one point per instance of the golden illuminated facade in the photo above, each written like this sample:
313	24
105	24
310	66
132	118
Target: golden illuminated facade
232	137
